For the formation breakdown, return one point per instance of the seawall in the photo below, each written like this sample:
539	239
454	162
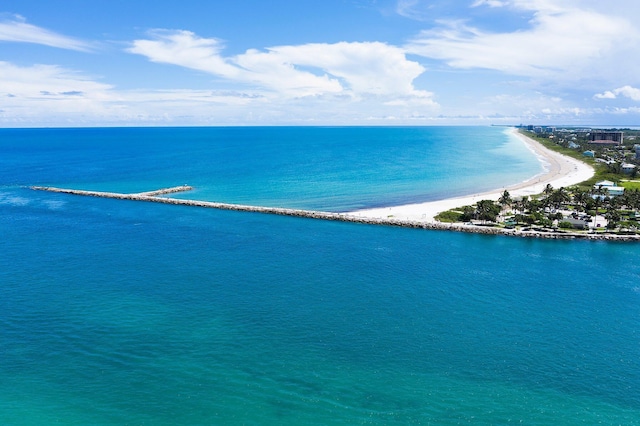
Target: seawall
153	196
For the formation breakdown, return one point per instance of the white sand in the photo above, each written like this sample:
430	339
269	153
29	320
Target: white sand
560	171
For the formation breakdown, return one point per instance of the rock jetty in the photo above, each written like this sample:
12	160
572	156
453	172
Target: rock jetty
155	196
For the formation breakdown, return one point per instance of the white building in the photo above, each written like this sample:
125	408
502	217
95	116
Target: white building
627	168
610	188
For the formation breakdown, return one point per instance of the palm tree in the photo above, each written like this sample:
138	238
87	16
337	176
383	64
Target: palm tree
598	192
468	213
505	199
487	210
558	197
613	217
523	204
547	190
580	198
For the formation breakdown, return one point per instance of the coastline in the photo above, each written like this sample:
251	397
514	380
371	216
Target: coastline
560	171
155	197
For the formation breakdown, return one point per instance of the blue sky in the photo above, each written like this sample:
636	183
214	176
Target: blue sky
330	62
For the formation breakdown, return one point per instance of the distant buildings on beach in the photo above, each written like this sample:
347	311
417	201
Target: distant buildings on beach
594	137
616	148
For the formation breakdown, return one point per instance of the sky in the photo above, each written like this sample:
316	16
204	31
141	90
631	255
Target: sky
319	62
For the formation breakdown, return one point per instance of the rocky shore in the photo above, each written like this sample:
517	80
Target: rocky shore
152	196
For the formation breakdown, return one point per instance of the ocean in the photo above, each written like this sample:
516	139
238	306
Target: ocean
120	312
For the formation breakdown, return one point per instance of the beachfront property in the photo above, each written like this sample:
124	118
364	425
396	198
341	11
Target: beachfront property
610	188
606	138
616	149
576	223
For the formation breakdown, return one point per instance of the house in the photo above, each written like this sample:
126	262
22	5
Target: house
576	223
627	168
589	154
610	188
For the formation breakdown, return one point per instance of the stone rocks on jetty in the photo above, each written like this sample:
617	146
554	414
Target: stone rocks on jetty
154	196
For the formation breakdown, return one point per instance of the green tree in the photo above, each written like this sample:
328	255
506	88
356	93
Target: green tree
487	210
581	199
558	197
613	217
598	197
522	205
505	199
468	213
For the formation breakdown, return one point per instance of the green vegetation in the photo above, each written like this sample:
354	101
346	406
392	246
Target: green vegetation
583	206
630	185
450	216
607	159
561	208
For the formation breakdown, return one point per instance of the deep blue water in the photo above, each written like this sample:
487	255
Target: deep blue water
118	312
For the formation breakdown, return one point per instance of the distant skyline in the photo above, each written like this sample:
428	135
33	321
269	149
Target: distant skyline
332	62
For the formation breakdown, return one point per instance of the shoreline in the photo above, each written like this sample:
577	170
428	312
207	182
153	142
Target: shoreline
560	171
154	196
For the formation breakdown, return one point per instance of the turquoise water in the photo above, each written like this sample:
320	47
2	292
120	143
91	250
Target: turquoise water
318	168
117	312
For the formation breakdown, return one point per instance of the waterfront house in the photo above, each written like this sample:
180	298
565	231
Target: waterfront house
606	138
576	223
610	188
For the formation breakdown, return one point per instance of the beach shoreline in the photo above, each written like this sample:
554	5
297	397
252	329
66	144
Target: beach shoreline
559	171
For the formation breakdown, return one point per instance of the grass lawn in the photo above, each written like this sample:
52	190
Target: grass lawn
631	184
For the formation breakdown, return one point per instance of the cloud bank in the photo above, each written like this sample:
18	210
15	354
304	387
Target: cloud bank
491	61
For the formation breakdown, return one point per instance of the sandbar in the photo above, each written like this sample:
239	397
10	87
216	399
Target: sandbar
559	171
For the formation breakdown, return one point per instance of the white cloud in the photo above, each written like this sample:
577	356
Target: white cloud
626	91
344	69
412	9
52	95
34	81
561	41
490	3
17	30
606	95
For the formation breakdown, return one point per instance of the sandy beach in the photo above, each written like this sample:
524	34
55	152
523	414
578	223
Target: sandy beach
559	171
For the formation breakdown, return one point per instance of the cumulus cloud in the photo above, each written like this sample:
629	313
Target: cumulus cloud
18	30
560	38
625	91
317	69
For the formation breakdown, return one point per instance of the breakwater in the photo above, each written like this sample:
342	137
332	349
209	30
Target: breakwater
154	196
